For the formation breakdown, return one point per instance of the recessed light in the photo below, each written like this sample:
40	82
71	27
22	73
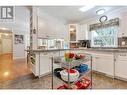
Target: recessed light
100	11
86	8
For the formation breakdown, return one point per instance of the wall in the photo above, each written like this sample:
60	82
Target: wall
19	26
51	26
0	46
120	13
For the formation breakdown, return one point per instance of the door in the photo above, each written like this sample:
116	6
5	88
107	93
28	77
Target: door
45	63
121	65
104	64
6	45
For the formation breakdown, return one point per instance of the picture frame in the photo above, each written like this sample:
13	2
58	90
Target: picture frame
19	39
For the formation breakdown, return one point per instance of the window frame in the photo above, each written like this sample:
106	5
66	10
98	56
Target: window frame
115	39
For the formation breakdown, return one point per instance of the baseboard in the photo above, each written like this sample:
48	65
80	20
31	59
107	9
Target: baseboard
111	76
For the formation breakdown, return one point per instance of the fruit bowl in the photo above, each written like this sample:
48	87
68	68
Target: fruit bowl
79	56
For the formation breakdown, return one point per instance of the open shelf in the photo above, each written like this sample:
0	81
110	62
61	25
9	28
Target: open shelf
70	65
84	74
61	61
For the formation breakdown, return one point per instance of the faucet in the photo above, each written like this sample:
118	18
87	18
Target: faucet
101	45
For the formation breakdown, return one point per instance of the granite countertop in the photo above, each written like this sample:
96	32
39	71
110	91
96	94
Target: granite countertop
86	49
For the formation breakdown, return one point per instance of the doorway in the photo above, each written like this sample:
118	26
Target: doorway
6	53
6	43
10	68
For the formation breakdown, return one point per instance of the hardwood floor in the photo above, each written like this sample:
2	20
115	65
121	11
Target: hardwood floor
16	75
11	69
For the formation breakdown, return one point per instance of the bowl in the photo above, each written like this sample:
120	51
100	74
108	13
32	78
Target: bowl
73	76
57	72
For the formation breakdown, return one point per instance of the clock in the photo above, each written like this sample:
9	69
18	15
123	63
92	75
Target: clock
103	18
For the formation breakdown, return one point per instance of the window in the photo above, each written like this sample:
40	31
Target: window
105	37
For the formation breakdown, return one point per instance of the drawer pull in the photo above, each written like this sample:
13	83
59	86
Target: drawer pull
45	53
122	55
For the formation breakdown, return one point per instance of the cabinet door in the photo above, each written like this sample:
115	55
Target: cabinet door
105	64
121	65
81	32
122	32
45	63
62	53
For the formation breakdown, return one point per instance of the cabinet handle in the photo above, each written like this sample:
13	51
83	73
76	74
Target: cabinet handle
45	53
122	55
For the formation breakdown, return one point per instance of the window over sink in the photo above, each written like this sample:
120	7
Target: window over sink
104	37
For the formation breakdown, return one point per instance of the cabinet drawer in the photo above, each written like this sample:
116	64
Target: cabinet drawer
121	69
122	56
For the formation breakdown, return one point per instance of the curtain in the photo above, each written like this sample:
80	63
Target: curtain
106	24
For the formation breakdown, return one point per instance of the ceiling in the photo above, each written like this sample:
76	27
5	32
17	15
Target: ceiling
71	14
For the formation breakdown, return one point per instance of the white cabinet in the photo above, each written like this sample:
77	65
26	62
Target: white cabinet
105	64
81	32
77	32
123	30
121	65
44	64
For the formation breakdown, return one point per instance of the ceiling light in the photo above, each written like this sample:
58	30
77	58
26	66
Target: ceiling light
100	11
86	8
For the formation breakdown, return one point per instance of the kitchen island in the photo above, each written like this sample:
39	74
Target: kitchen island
110	62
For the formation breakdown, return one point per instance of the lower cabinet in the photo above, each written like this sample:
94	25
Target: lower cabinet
104	63
101	62
45	64
121	65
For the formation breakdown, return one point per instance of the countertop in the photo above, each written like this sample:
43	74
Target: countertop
86	49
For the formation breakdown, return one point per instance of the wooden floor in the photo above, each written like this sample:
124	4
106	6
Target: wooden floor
15	75
11	69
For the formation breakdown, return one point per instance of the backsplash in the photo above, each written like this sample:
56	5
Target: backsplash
122	42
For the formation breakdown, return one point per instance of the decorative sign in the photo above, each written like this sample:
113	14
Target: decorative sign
19	39
6	13
103	18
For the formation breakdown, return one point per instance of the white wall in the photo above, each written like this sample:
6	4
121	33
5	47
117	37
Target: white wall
0	46
51	26
120	13
19	26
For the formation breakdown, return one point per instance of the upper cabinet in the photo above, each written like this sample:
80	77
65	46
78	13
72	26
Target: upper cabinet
77	32
50	26
123	26
72	32
81	32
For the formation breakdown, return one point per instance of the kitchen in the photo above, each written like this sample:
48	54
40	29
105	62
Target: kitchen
96	32
103	36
